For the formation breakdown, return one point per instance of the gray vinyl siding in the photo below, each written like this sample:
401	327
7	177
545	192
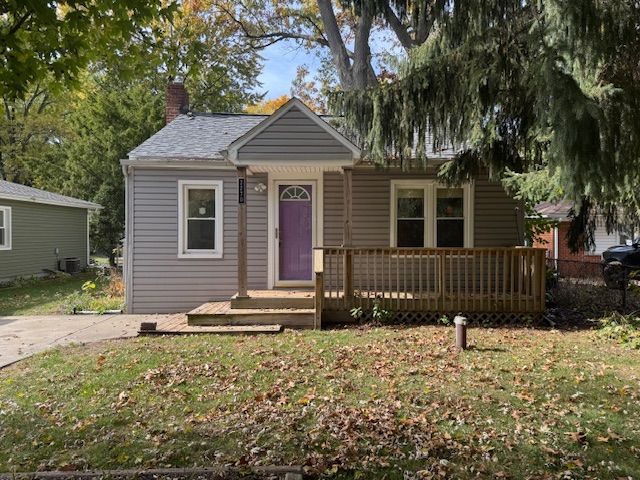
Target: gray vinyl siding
499	218
495	223
333	209
37	230
162	282
292	137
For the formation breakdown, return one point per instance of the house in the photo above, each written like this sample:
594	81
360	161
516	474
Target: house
225	207
585	262
39	230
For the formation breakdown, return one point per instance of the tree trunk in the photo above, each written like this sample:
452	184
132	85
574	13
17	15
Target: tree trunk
338	50
363	75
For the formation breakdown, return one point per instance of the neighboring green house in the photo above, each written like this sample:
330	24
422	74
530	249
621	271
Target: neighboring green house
39	230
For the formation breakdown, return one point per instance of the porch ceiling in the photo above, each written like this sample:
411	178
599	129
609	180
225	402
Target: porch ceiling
306	169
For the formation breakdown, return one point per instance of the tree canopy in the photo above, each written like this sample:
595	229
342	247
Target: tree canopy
113	118
67	131
58	39
517	86
356	39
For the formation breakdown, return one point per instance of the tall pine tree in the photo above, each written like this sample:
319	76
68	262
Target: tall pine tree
515	85
113	118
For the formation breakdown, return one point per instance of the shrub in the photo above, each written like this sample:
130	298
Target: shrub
115	286
624	329
378	313
99	295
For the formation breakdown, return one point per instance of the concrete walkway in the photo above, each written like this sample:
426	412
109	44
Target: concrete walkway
23	336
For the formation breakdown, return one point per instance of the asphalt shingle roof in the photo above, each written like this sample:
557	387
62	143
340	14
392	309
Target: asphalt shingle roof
15	191
557	210
201	136
196	136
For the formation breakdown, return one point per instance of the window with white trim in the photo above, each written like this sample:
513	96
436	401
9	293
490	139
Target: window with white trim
449	217
200	219
425	214
5	228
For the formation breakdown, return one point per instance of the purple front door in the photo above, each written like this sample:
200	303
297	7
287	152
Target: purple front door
295	232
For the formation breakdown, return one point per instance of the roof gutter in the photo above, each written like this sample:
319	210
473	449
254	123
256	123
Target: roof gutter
19	198
205	164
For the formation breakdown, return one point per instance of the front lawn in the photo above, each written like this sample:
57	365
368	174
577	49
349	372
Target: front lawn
357	403
59	295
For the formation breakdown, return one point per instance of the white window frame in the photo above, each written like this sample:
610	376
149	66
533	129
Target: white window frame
183	187
430	188
7	228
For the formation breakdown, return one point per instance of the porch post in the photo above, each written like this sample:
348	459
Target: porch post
242	231
346	235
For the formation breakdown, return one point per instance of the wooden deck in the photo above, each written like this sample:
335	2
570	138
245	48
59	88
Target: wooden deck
177	325
414	284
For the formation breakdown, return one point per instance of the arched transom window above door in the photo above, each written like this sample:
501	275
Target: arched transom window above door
295	193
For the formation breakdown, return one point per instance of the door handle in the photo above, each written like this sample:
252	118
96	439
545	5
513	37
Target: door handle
276	232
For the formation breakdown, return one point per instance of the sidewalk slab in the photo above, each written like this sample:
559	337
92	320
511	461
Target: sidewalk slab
23	336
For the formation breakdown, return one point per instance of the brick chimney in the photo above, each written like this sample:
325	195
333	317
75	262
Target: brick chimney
176	101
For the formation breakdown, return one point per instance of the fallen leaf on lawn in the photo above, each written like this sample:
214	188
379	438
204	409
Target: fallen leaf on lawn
577	436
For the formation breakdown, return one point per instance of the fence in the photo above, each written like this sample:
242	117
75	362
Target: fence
580	287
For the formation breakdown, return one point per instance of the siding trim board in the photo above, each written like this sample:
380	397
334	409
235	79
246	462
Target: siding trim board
128	235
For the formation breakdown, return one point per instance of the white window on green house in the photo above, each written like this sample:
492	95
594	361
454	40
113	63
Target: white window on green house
200	224
425	214
5	228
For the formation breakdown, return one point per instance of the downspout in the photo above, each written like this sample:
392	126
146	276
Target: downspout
128	241
556	245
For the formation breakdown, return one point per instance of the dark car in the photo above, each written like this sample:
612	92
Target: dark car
620	263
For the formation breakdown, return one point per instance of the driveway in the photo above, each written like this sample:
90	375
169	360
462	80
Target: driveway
22	336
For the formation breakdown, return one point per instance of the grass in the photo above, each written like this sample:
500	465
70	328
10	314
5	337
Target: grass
56	296
353	403
101	260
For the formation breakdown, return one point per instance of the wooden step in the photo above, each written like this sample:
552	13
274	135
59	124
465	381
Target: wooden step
221	313
216	330
272	302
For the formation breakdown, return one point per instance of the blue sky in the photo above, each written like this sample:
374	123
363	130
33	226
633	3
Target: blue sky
280	63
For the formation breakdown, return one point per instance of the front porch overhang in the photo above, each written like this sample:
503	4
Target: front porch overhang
297	167
281	175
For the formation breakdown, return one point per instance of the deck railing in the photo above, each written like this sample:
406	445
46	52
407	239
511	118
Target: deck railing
431	279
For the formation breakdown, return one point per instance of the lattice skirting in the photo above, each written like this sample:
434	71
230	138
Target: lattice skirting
475	318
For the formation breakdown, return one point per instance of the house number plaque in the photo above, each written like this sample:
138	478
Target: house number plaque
241	190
